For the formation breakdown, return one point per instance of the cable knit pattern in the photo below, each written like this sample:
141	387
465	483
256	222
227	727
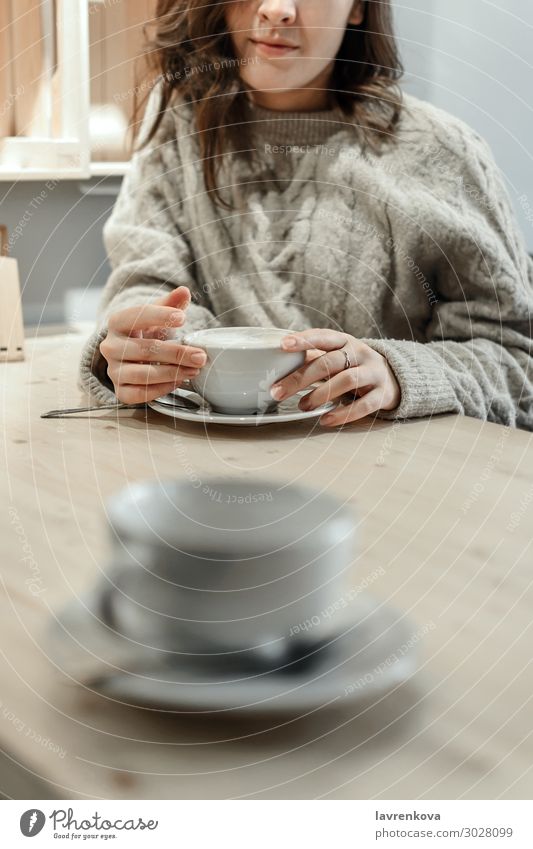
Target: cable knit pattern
415	251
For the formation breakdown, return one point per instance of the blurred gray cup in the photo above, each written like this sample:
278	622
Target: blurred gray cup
229	566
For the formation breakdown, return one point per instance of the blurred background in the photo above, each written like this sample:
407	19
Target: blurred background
470	58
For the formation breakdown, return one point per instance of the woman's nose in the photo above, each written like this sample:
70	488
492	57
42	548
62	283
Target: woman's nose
277	11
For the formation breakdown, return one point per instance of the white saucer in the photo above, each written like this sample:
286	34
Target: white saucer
367	661
286	411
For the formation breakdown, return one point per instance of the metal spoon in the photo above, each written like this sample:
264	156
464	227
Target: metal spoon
167	401
57	414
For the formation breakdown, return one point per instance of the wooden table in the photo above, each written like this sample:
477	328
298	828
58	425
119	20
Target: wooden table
447	509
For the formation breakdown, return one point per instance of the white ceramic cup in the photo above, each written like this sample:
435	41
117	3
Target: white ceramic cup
230	566
242	365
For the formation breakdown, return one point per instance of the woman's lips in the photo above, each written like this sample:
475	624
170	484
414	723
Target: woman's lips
269	50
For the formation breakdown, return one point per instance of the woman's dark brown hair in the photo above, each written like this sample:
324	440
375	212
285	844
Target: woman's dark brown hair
189	50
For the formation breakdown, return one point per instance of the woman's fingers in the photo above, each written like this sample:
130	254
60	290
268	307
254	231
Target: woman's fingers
144	362
364	406
132	319
321	368
127	394
312	354
119	349
143	375
346	381
179	298
324	338
158	333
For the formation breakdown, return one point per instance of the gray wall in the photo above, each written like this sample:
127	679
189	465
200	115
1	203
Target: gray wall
57	238
474	58
467	56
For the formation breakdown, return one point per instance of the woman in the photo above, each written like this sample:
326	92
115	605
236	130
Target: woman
283	179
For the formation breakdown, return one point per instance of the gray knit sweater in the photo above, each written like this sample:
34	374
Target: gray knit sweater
415	251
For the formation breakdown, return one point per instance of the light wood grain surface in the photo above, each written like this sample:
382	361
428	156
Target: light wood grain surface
446	510
7	112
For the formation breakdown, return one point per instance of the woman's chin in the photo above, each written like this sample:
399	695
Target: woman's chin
270	79
271	92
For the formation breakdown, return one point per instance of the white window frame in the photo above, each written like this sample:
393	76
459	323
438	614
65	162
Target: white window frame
65	157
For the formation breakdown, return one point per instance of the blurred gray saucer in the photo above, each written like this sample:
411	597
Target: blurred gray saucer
373	657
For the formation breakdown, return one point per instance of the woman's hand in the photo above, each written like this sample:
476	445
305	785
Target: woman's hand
348	367
144	361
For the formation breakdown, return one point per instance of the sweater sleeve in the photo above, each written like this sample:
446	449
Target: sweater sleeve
477	360
146	242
